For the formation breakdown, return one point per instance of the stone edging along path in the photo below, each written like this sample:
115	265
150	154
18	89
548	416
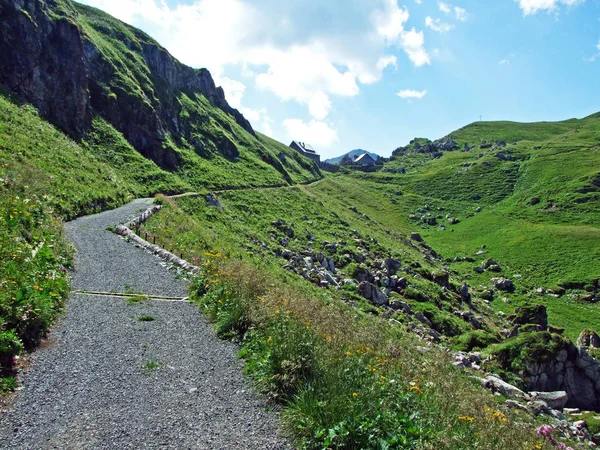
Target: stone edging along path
125	231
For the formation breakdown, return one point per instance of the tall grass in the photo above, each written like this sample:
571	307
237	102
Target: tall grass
349	380
33	274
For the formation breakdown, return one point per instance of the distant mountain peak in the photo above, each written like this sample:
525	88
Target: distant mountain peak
352	154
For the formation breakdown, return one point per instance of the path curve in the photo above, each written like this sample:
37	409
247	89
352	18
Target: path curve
106	380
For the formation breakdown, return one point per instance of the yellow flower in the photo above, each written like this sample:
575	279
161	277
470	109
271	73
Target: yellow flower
270	339
354	394
416	388
467	418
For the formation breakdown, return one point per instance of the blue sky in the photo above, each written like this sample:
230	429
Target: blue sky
373	74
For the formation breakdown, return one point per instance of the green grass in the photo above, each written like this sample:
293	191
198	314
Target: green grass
7	384
539	209
149	368
146	318
346	379
33	279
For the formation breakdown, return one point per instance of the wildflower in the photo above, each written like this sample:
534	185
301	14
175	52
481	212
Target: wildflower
467	418
416	388
354	394
544	430
270	340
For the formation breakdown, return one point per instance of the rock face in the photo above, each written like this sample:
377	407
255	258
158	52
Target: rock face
49	61
43	61
574	371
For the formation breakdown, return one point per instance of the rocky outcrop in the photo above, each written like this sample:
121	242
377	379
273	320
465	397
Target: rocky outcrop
574	371
588	339
43	63
50	61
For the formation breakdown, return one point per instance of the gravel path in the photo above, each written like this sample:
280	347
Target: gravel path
105	379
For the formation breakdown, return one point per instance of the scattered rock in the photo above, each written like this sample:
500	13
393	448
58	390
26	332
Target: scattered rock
212	200
372	293
416	237
464	293
555	400
495	384
588	339
531	314
421	318
397	305
392	266
502	284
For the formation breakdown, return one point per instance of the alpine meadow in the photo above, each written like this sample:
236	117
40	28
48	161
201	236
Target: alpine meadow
171	277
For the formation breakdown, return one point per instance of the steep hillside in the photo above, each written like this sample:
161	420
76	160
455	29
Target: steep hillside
82	68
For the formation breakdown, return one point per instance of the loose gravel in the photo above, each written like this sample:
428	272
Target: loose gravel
107	380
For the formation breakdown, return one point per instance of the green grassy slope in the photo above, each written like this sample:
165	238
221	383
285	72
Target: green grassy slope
539	197
128	78
79	177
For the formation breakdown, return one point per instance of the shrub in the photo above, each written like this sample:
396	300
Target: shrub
476	339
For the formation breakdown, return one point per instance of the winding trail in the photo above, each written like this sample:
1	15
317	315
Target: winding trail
106	380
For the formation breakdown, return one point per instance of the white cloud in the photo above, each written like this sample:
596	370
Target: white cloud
317	133
444	7
411	94
300	51
595	56
390	25
437	25
460	13
387	60
234	90
259	118
412	42
534	6
504	61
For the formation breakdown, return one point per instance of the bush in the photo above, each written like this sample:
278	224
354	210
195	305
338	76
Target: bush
475	340
10	344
